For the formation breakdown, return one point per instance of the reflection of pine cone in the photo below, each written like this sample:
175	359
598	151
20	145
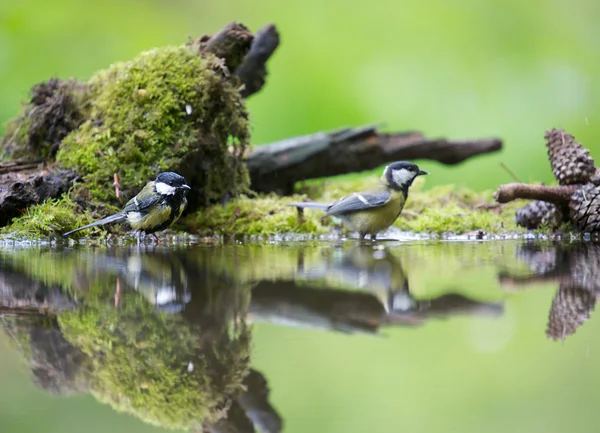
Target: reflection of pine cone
571	162
585	267
570	308
541	261
537	213
584	208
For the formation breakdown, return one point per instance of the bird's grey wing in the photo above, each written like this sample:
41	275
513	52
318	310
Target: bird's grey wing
358	201
150	198
310	204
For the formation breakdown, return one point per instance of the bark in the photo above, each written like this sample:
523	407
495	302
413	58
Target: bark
244	54
25	184
277	166
253	71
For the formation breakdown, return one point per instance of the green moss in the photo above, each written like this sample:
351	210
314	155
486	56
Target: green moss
141	361
264	215
438	210
47	219
447	210
167	109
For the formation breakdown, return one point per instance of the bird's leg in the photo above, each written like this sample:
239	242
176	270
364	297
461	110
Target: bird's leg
156	238
362	236
374	237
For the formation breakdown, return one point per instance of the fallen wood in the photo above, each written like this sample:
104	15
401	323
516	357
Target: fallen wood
27	184
276	167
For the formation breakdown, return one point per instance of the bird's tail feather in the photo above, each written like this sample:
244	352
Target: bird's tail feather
310	204
109	219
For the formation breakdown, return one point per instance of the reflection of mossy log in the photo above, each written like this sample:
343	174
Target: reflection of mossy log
173	108
180	370
155	365
56	365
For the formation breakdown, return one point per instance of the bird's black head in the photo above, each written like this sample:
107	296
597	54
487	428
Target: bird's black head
169	183
400	175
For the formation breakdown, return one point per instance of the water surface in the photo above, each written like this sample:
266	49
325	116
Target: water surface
489	336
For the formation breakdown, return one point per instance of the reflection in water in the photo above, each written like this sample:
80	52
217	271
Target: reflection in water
575	267
104	324
384	298
162	334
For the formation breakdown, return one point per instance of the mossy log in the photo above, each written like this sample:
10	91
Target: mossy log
277	166
175	108
183	109
25	184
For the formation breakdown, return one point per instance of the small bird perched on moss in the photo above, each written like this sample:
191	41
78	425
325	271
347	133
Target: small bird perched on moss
371	212
158	205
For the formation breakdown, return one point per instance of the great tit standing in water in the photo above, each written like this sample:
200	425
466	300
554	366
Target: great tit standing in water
373	211
158	205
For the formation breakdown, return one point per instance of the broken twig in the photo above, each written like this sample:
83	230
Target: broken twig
558	195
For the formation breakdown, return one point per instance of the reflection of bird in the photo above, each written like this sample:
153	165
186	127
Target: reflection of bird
158	205
370	212
159	279
375	270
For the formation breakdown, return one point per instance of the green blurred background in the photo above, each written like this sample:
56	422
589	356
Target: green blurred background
460	69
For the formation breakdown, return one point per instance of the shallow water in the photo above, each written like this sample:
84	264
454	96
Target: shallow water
422	336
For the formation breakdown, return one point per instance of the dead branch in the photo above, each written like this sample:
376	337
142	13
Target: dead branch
558	195
16	166
253	70
277	166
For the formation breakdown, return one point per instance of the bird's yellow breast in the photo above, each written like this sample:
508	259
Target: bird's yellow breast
155	218
372	221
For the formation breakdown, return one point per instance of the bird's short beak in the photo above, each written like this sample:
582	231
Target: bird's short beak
184	186
422	172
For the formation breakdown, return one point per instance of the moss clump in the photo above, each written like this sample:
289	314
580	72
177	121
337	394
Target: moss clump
154	365
51	218
263	216
55	109
438	210
444	209
167	109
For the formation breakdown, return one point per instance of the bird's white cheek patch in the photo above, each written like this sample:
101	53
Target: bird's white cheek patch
402	176
163	188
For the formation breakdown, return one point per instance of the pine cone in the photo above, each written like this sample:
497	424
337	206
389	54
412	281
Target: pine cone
584	208
570	308
571	162
537	213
